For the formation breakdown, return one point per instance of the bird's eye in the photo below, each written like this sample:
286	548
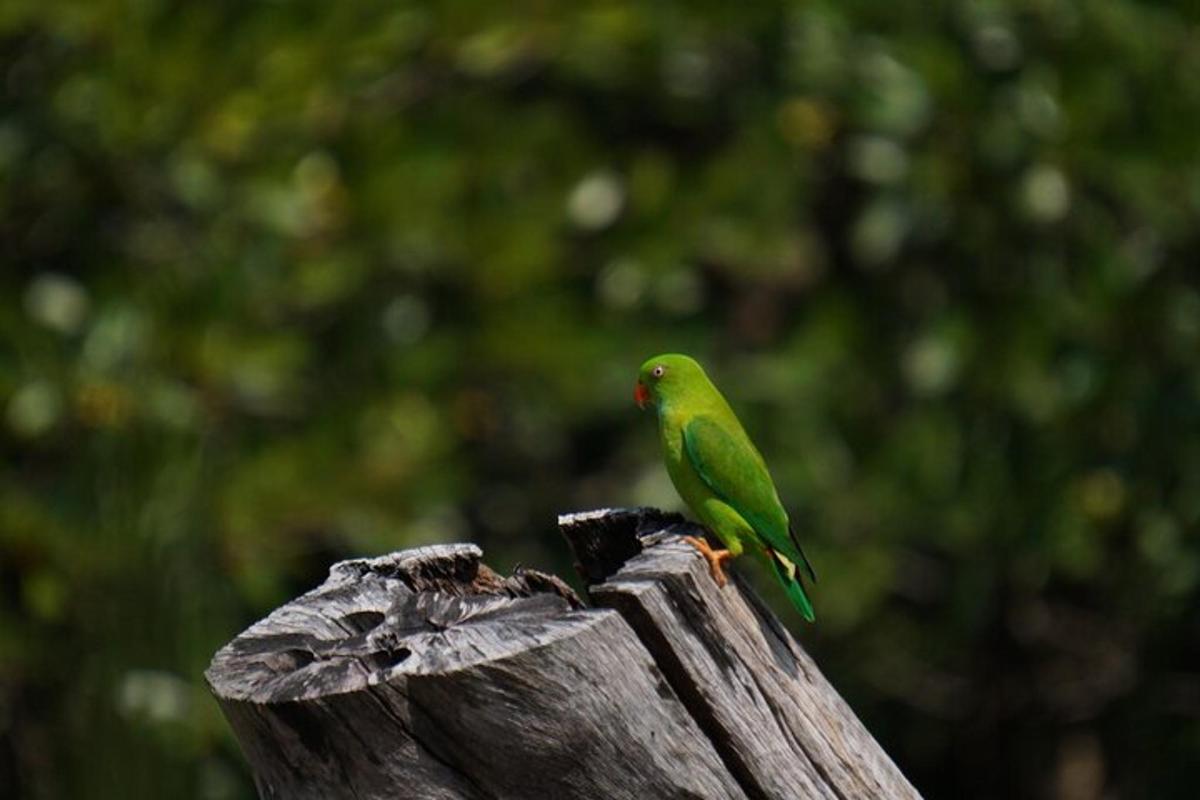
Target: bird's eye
658	371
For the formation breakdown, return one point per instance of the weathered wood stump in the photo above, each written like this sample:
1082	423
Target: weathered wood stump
425	674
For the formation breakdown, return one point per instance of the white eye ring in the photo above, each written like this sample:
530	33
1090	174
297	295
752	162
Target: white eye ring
658	371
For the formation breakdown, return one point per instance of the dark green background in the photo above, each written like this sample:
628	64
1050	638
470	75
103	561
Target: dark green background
286	282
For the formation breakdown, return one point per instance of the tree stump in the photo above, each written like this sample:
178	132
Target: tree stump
425	674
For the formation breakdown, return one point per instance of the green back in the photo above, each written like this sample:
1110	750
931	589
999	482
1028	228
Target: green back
728	463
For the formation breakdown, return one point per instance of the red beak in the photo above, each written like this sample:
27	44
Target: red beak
641	395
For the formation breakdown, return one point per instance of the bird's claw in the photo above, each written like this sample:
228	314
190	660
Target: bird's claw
715	558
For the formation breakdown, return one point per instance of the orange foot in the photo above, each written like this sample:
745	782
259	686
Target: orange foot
715	558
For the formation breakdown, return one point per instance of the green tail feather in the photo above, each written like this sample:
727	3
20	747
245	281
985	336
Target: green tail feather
790	579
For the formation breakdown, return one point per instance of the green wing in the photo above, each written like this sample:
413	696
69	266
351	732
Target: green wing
730	466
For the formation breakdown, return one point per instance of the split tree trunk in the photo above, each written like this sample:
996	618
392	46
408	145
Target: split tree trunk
424	674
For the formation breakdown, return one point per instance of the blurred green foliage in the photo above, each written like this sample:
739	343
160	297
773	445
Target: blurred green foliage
285	282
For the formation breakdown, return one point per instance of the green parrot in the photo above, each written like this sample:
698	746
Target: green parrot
719	473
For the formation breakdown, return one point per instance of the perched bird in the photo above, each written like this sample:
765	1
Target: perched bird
719	473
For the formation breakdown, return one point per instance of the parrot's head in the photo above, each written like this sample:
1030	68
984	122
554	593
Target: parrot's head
665	377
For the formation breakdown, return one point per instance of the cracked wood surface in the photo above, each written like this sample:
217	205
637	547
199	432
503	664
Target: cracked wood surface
425	674
779	726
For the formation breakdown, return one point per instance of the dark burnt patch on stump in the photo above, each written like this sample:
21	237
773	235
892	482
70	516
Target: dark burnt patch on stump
604	540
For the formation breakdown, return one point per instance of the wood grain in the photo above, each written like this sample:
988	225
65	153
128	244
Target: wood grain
424	674
778	724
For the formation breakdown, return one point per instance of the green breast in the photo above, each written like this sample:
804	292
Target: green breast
691	488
